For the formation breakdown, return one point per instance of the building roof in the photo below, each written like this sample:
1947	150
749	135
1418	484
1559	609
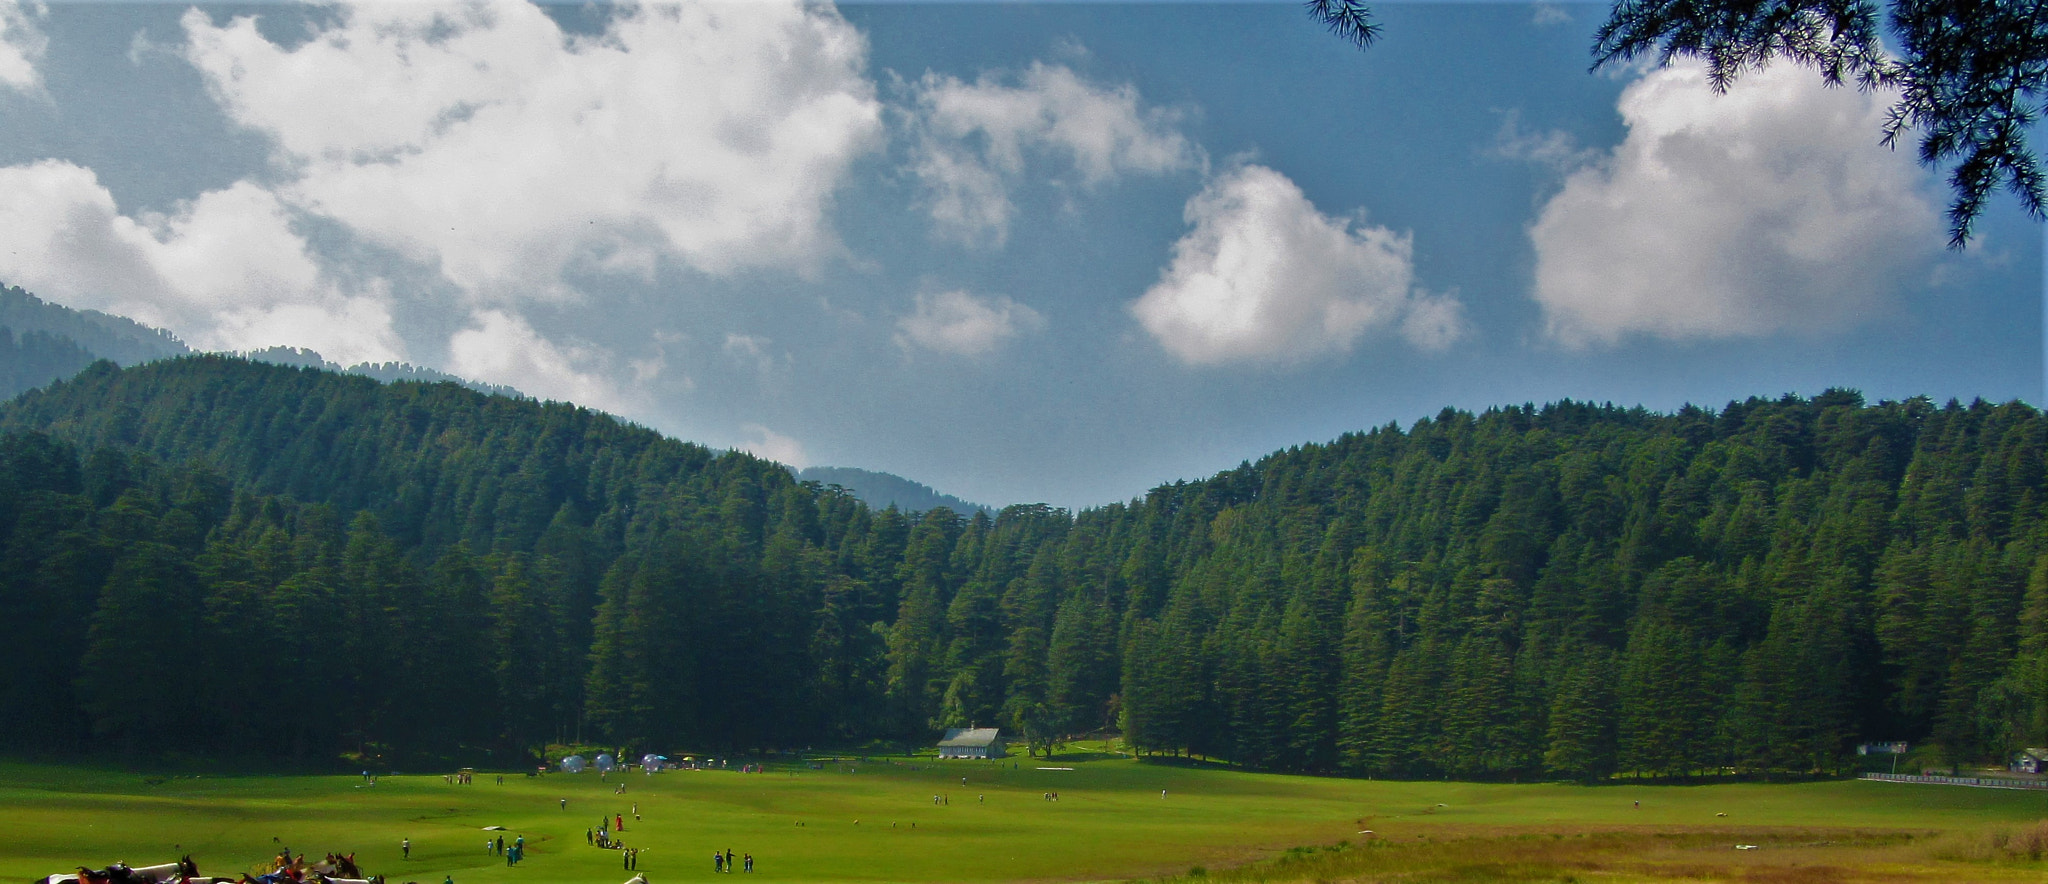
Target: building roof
970	737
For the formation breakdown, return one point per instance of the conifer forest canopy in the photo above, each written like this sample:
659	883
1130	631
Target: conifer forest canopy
216	556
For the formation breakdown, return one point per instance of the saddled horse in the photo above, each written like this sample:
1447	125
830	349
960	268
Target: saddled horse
337	866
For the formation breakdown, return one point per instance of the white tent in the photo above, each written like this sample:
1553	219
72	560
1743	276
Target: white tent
574	764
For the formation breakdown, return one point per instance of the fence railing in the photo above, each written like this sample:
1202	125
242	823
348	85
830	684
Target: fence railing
1979	782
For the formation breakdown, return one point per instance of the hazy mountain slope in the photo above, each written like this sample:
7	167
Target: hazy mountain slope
116	338
881	490
382	371
50	342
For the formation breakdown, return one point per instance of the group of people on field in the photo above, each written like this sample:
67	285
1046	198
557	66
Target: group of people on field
513	853
724	862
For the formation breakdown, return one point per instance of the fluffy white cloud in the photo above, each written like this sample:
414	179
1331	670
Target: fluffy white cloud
480	138
22	44
225	272
965	325
502	348
973	139
1767	209
1266	277
767	443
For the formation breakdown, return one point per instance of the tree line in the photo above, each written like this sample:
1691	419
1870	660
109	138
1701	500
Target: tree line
211	555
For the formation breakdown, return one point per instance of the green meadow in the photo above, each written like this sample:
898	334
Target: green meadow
876	821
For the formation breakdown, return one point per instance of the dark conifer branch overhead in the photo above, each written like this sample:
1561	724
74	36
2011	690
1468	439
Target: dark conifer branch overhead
1348	19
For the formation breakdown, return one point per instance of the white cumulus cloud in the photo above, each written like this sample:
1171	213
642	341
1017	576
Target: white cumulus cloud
480	138
974	139
502	348
771	445
225	271
1770	208
963	324
1266	277
22	44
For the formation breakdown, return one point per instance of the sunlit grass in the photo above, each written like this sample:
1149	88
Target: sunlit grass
880	824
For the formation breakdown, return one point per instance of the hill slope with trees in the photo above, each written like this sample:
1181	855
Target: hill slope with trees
215	555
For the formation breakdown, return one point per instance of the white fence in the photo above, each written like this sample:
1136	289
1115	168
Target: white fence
1979	782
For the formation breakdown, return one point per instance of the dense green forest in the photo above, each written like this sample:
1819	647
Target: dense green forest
212	555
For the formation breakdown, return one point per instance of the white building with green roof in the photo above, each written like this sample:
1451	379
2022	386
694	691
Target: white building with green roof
972	742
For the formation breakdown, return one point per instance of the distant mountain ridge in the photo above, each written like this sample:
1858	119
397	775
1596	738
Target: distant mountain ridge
118	339
41	342
381	371
880	490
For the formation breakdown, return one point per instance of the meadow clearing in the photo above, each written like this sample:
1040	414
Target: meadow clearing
876	821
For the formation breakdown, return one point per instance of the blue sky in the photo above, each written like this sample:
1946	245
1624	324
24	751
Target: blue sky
1020	252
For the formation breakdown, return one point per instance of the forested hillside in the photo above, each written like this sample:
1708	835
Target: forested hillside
214	555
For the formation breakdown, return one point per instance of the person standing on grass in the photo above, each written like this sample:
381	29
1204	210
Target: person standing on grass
750	862
405	848
717	861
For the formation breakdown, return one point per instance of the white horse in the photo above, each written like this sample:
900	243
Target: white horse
183	868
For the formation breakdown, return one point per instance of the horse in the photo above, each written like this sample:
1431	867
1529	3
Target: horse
183	868
113	874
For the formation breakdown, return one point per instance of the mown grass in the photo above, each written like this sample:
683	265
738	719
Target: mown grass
1110	823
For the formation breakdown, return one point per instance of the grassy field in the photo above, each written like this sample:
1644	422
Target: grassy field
877	822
